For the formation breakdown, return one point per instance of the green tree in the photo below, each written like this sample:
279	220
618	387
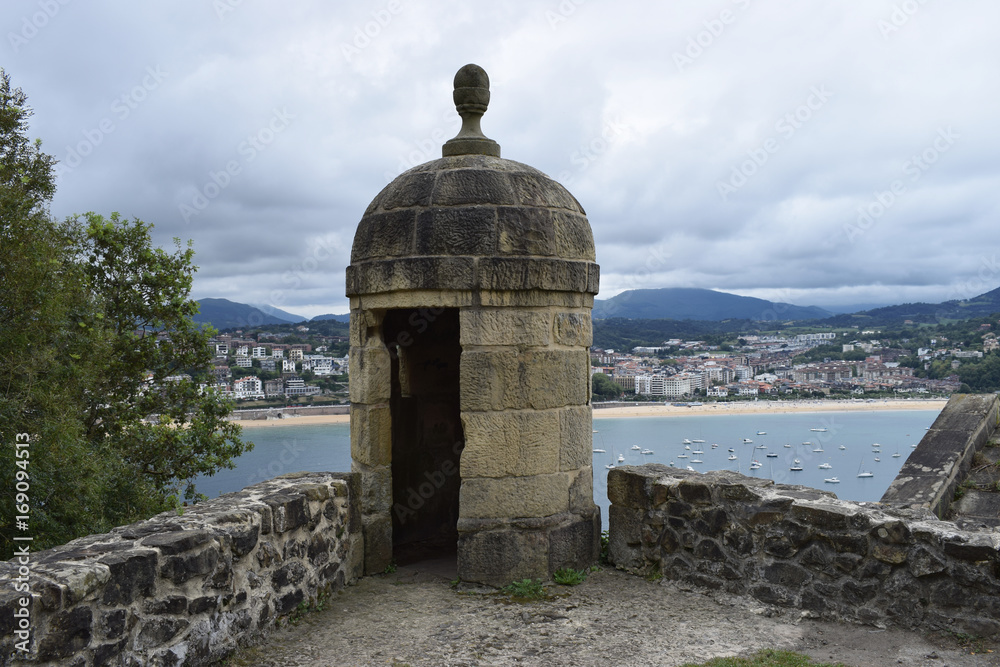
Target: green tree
604	387
100	363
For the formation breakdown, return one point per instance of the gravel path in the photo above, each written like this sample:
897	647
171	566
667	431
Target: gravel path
415	617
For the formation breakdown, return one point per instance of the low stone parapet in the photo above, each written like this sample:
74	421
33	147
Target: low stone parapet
185	588
796	547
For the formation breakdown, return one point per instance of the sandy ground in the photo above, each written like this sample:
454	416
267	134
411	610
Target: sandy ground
667	410
415	616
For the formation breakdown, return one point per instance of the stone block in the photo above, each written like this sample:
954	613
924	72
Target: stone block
408	190
573	329
576	544
411	273
530	190
376	488
381	235
575	438
68	632
472	186
573	236
827	517
369	369
529	273
499	557
365	328
534	299
133	575
288	509
511	443
457	231
525	231
505	326
371	434
514	497
581	490
179	541
378	543
625	545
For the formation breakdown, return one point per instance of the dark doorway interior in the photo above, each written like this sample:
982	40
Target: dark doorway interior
427	437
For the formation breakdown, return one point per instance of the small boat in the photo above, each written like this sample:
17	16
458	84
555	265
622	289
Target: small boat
818	430
824	466
914	445
761	432
691	469
682	456
697	451
875	444
864	473
818	450
600	451
687	446
595	431
897	454
787	446
807	442
731	449
732	457
621	459
610	466
696	461
715	445
761	447
796	467
686	441
697	440
647	451
842	447
772	455
747	440
636	447
832	480
755	464
877	459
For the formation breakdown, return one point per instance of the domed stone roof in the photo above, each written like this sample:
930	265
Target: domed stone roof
472	220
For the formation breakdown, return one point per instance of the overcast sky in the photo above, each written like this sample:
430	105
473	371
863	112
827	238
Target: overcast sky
819	153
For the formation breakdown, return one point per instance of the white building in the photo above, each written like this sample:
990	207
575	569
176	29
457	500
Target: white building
248	387
259	352
287	366
244	362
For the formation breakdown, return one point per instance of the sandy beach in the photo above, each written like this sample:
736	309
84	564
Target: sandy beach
668	410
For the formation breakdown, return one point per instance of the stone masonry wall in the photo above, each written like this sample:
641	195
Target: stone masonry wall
187	589
791	546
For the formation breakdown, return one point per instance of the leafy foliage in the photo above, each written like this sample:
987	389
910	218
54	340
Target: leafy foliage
604	388
94	322
567	576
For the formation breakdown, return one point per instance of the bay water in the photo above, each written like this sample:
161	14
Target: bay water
844	440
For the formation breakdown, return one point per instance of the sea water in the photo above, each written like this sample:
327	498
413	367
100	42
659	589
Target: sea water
327	447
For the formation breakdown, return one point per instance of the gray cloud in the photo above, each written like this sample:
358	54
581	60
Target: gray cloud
738	145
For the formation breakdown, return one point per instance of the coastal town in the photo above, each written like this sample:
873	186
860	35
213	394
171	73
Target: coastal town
766	366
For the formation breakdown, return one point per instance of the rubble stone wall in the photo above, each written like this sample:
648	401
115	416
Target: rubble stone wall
186	588
796	547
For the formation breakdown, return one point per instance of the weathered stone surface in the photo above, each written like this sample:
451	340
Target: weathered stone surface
573	329
512	443
499	557
525	231
538	379
576	544
383	235
133	574
472	186
505	326
513	497
524	273
68	632
369	369
371	434
573	238
457	231
581	490
411	273
575	438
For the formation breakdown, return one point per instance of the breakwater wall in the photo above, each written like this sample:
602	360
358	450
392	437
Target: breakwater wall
286	412
180	589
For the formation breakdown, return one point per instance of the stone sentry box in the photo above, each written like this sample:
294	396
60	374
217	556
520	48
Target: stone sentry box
471	283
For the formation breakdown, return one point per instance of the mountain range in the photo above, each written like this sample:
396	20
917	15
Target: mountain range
668	303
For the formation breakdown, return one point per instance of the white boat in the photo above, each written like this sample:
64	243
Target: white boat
787	446
697	440
731	449
818	450
807	442
686	441
696	461
796	467
842	447
600	451
691	469
732	457
636	447
772	455
832	480
761	432
914	445
697	451
715	445
761	447
897	454
747	440
825	466
818	430
687	446
647	451
877	459
621	459
755	465
682	456
610	466
867	473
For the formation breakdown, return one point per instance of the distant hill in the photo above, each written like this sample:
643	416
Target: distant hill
278	312
682	303
226	314
929	313
338	318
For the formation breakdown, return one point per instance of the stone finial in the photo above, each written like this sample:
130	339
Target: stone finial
472	96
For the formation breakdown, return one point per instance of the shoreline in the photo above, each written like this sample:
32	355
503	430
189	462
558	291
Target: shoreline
668	410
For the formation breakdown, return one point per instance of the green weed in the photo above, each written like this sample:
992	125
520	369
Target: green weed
567	576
